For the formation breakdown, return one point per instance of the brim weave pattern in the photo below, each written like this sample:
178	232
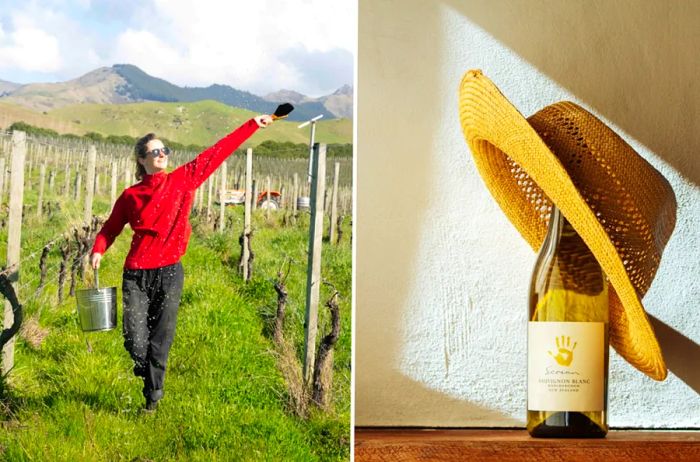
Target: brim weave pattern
622	207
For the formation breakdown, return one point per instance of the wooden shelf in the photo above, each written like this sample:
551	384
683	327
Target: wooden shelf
375	445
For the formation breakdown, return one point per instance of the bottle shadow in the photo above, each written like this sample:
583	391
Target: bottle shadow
680	352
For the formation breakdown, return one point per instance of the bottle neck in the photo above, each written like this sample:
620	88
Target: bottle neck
568	284
558	229
576	265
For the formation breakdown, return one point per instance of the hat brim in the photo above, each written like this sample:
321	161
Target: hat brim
503	141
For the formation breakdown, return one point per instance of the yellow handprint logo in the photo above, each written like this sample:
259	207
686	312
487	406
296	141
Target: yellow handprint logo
564	355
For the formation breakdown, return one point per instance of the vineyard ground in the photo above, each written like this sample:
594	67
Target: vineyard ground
225	398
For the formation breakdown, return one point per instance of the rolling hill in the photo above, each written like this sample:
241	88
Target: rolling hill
7	87
125	83
10	113
200	123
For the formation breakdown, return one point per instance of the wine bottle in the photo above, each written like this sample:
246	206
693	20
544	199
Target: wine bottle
567	388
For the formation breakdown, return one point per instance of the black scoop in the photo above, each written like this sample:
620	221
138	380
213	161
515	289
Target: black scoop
283	110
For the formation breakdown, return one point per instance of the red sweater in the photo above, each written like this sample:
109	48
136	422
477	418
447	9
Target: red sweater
158	207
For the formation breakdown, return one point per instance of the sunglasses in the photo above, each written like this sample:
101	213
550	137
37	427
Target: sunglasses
156	152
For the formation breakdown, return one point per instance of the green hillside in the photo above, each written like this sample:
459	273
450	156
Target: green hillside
200	123
10	113
140	86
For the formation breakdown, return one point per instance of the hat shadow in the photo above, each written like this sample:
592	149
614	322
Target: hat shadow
637	67
680	352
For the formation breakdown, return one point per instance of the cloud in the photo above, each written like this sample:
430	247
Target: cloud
325	70
42	41
147	51
29	49
259	46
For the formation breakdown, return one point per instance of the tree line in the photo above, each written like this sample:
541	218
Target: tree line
269	148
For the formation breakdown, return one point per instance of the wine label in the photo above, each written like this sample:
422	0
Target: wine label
566	366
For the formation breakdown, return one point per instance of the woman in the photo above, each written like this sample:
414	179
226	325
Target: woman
158	209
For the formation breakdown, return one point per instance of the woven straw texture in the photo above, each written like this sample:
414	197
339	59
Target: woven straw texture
622	207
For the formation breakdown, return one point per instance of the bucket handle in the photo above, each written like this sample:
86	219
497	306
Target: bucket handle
97	279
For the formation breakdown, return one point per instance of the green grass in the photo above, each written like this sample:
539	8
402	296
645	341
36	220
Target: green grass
201	123
224	396
10	113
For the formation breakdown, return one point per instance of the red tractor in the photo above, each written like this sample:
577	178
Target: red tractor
237	196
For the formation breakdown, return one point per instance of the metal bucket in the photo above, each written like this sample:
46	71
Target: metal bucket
97	308
303	202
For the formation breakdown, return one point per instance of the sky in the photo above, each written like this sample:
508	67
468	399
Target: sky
260	46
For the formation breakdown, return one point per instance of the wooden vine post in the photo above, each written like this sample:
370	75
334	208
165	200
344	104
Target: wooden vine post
78	182
295	195
2	179
210	185
90	183
247	212
313	279
14	234
222	197
113	189
42	178
52	180
334	205
200	199
267	198
66	181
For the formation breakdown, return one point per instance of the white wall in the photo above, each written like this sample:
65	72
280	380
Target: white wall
441	275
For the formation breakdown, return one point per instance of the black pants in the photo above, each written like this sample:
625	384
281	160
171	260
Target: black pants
151	302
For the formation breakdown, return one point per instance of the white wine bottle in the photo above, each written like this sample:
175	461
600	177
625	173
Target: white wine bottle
567	387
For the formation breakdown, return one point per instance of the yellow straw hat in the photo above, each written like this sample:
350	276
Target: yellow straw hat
621	206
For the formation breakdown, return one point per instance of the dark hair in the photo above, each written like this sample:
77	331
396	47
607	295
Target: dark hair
140	151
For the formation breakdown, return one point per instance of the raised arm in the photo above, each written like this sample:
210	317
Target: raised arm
196	172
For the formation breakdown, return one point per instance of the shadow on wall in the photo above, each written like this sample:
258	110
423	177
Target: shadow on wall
398	72
642	76
680	352
397	83
650	94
